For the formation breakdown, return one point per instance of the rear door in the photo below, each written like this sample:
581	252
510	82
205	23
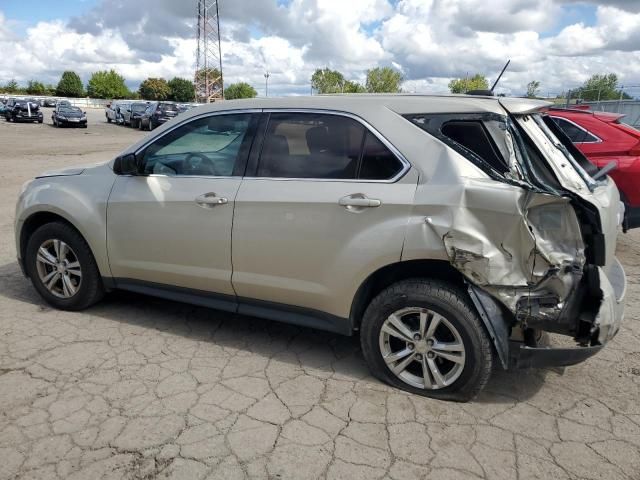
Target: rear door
325	203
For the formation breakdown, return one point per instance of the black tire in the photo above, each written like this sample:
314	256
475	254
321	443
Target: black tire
108	119
455	306
40	120
151	127
90	289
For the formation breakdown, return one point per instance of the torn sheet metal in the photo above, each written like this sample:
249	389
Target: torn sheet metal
509	241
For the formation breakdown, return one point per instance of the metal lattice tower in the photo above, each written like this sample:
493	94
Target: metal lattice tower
208	79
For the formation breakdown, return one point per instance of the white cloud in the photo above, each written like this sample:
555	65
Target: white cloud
430	41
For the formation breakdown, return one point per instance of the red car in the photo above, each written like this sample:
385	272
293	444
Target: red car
603	138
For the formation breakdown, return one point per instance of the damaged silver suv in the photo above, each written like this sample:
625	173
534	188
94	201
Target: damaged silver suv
448	231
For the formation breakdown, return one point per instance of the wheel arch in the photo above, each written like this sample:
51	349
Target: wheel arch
38	219
395	272
496	320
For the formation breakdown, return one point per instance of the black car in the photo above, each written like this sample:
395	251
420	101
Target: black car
68	116
134	112
23	111
50	102
156	114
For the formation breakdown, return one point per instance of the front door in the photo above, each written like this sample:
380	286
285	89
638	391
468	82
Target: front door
171	224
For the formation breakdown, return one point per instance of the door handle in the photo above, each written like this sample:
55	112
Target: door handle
209	200
359	201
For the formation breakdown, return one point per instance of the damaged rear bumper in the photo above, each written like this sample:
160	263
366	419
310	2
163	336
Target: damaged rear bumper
607	323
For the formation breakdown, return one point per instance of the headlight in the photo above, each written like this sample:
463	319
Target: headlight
83	118
62	117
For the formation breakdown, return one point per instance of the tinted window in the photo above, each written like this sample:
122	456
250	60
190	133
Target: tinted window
208	146
473	135
306	145
378	163
575	133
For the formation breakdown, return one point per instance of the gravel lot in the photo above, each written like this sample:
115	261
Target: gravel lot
138	387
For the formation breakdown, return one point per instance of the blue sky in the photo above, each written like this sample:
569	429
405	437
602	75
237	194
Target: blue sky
32	11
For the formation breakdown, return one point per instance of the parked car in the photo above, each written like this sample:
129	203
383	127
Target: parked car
185	107
131	115
156	114
447	240
112	112
23	111
67	116
50	102
604	138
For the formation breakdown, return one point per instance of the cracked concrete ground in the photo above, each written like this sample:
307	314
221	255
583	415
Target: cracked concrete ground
140	388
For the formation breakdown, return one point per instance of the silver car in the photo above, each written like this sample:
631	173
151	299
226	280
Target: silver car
448	232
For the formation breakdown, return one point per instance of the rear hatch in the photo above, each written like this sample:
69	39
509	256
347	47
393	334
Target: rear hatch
598	208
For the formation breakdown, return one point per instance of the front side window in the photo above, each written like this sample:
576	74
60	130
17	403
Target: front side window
209	146
575	133
323	146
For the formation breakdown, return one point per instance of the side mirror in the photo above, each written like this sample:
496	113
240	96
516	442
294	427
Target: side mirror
126	165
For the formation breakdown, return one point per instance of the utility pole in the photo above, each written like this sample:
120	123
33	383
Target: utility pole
208	79
266	84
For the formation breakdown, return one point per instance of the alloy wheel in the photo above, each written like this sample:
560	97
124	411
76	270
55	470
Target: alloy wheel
422	348
58	268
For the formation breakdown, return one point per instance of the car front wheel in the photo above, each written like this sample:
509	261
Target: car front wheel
425	336
62	268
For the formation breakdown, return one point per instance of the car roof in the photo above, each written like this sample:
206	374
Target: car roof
399	103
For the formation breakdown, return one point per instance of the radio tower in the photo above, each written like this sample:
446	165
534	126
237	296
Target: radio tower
208	76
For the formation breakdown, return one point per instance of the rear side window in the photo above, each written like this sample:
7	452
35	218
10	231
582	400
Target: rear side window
323	146
378	163
575	133
482	138
474	136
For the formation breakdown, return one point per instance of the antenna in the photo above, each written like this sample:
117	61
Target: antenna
208	79
500	76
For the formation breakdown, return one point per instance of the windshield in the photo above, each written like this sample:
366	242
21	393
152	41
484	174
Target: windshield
70	110
140	107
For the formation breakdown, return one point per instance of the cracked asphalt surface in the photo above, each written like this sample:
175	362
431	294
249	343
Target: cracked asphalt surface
141	388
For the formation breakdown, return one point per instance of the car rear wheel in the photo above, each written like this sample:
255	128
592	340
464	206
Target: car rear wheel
424	336
62	268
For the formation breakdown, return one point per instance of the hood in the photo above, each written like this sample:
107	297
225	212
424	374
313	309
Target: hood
25	106
65	172
71	114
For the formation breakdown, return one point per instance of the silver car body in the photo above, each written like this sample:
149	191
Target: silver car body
288	241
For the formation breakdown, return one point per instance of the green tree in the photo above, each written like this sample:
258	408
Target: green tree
182	90
239	90
107	84
325	80
353	87
533	87
11	86
36	88
601	87
383	80
70	85
154	89
463	85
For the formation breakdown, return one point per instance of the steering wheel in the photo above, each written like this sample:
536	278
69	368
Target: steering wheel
204	165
